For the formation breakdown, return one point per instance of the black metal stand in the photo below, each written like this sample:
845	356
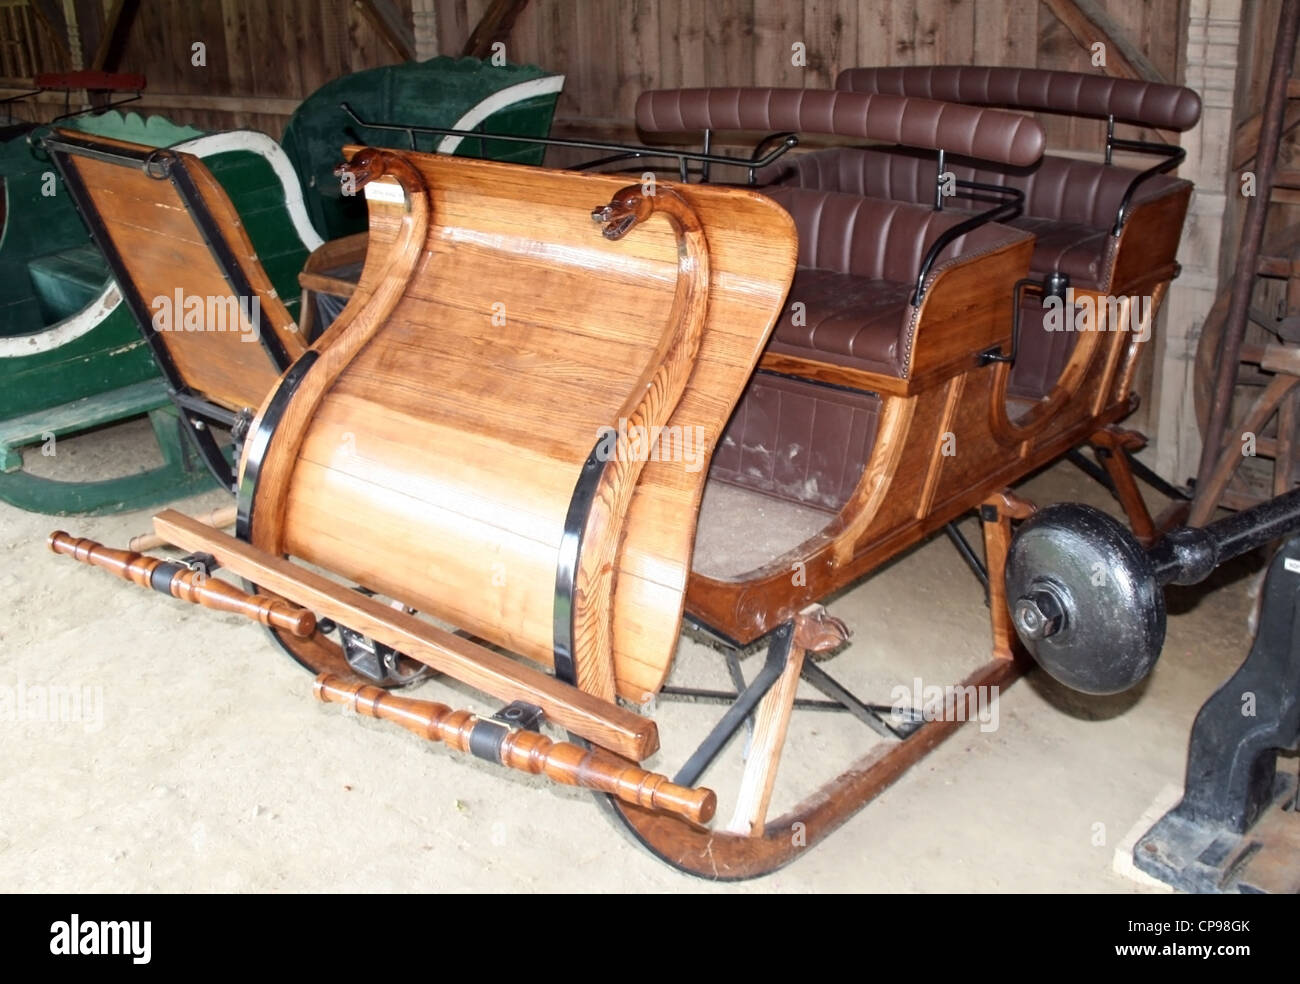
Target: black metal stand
1215	841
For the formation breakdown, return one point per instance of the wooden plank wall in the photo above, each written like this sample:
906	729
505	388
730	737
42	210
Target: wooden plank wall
25	48
611	51
259	51
1255	55
266	55
263	56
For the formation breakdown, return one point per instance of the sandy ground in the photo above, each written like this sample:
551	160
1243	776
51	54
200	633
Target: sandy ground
209	766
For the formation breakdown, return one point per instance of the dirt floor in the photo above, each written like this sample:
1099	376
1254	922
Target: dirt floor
201	762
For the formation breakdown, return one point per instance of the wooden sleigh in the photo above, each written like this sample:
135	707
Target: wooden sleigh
463	440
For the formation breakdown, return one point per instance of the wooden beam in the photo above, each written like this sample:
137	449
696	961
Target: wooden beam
772	721
495	26
1089	23
387	21
267	105
85	29
1246	139
603	722
50	16
113	40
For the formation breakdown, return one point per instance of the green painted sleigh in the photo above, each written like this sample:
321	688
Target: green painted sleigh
72	357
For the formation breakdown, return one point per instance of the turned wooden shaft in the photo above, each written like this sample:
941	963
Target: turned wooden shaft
527	751
219	518
180	582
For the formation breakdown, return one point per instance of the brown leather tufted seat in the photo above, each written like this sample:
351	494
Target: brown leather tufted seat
850	305
989	134
850	302
1134	101
1070	208
1070	205
860	254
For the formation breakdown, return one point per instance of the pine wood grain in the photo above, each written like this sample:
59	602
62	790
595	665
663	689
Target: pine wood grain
432	457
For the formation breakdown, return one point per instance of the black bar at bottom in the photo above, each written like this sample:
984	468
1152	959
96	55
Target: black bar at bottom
778	651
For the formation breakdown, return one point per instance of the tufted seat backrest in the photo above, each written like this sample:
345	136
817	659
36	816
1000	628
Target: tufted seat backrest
875	237
1058	188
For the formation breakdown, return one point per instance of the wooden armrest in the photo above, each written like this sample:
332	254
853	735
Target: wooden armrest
326	284
338	252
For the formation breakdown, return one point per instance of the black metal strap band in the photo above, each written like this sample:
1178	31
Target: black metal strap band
68	143
486	738
160	578
259	442
222	254
566	568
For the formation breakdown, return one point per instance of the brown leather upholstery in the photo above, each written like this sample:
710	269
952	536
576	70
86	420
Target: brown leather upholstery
797	440
1041	356
988	134
1070	205
858	262
1166	107
1072	248
846	320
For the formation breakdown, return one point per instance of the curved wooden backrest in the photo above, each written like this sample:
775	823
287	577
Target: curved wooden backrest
185	264
439	444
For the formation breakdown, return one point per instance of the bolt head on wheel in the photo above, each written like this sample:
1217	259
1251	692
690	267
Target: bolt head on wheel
1039	614
1084	599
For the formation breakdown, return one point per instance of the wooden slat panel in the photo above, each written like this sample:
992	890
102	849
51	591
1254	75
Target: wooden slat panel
441	463
163	250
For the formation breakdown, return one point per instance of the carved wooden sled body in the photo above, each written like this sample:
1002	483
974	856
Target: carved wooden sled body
464	440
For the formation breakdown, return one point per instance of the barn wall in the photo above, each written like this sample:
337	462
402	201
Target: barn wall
264	56
612	51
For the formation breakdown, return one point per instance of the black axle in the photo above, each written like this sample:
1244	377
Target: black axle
1087	599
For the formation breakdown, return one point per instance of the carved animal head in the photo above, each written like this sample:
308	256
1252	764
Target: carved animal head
366	165
628	207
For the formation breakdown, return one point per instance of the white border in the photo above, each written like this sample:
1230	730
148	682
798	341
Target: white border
499	100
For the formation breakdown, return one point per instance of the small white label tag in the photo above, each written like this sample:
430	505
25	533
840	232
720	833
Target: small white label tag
1292	565
385	191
